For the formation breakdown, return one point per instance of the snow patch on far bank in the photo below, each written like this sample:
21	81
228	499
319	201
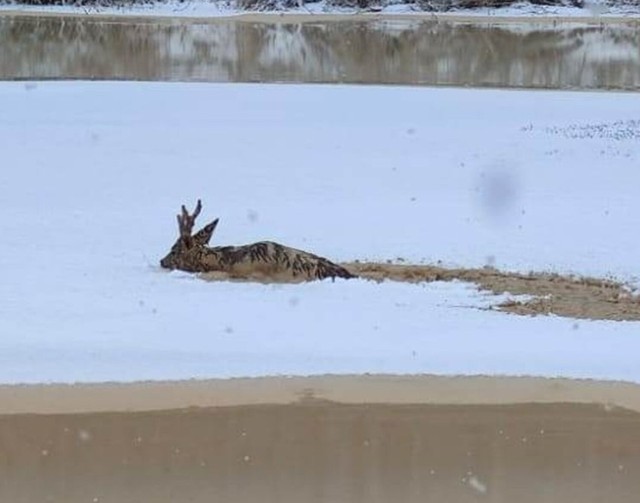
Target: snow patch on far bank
227	8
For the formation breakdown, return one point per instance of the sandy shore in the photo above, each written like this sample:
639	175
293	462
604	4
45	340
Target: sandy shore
345	389
322	439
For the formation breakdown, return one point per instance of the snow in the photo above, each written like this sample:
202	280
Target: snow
94	173
222	8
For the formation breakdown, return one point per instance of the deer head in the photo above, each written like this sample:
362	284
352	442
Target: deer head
187	250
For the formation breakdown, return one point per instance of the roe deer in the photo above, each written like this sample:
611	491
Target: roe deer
263	260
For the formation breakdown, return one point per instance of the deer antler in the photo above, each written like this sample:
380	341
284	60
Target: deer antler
186	221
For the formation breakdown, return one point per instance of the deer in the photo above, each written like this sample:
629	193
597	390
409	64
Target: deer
264	260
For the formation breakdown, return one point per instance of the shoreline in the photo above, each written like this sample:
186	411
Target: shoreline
329	389
115	15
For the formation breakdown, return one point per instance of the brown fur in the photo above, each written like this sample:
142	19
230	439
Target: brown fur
266	258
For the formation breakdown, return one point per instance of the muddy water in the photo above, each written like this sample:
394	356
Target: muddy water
323	452
322	439
401	51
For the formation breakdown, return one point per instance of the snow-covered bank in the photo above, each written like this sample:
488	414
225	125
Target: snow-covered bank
93	174
565	10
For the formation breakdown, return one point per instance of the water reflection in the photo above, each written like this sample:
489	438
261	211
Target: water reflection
395	51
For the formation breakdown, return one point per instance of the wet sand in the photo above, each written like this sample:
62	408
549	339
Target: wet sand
344	389
333	439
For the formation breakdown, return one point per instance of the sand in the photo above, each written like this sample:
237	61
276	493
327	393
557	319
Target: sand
330	439
568	296
548	293
343	389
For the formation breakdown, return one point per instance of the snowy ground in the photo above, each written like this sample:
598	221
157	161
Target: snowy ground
93	174
222	8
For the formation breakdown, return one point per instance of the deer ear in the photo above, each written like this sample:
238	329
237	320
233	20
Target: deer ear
203	236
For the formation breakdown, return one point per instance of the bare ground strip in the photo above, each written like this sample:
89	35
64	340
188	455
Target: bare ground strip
548	293
569	296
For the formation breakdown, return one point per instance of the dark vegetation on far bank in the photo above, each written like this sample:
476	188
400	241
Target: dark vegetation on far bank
371	5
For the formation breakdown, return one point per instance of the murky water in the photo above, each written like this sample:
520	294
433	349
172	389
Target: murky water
415	52
316	453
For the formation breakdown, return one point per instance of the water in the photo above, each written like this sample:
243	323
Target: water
324	452
413	52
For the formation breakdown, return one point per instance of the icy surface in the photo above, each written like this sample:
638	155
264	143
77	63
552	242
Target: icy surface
93	174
